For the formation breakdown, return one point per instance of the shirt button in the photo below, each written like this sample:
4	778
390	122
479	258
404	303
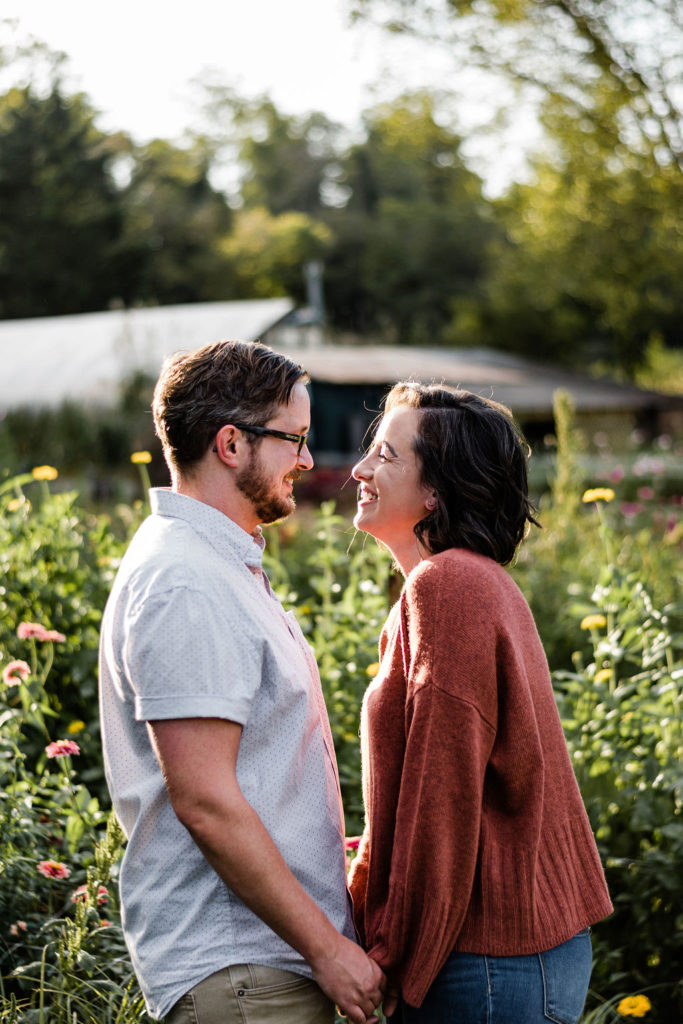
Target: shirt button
240	991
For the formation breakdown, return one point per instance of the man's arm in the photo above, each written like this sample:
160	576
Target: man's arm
198	758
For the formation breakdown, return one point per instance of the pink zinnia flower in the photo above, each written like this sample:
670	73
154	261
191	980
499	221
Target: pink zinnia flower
15	672
31	630
645	493
351	843
34	631
81	893
53	869
62	748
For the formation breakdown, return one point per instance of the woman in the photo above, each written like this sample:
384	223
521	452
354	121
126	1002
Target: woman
477	876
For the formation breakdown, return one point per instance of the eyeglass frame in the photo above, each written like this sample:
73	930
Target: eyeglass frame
300	440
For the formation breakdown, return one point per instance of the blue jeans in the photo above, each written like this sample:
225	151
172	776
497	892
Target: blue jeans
535	989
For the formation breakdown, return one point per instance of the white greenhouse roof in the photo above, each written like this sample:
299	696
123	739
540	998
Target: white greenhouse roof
86	357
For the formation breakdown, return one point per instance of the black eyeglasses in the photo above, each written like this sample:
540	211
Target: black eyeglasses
298	439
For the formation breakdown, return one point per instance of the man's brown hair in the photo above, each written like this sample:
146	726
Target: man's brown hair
225	382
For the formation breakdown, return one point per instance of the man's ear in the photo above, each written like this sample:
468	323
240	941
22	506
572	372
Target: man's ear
225	445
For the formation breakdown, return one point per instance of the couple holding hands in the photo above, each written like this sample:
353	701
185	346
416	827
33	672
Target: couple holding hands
477	877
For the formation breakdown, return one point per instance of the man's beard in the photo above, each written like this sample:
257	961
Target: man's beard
268	505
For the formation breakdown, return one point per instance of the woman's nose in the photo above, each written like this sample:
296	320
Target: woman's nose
360	471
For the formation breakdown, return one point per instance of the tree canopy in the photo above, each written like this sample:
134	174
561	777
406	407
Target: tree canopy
566	48
581	264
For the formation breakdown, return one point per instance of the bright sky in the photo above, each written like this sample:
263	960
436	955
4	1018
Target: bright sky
135	59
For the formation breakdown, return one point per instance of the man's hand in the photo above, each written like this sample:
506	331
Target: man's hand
351	979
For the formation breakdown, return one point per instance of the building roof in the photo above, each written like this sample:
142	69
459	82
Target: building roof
86	357
524	386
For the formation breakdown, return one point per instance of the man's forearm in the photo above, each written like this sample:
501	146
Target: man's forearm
238	846
198	759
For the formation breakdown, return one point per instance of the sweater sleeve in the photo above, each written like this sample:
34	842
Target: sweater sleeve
358	884
449	735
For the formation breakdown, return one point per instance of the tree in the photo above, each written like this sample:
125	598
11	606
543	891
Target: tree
592	265
283	162
564	47
411	239
61	245
176	220
267	254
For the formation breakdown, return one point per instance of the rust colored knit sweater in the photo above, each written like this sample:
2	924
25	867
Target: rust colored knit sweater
477	839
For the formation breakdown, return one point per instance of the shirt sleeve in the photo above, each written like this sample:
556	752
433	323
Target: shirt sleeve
448	742
185	658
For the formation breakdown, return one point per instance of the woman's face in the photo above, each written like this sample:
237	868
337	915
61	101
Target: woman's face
392	499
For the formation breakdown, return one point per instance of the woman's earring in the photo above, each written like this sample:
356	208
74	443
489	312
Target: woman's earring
431	504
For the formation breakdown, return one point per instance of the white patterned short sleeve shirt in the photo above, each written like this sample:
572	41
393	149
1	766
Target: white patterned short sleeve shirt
192	630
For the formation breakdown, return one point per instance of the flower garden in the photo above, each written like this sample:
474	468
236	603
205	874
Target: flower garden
601	577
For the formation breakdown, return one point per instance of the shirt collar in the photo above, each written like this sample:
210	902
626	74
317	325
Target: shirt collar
224	535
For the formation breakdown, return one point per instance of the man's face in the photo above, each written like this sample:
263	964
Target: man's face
267	481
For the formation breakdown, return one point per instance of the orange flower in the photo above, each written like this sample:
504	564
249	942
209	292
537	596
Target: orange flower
593	622
598	494
140	458
53	869
634	1006
44	473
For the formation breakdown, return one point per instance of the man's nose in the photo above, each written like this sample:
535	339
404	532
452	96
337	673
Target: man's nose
305	460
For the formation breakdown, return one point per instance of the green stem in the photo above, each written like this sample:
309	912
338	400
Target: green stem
66	771
146	482
48	664
41	1005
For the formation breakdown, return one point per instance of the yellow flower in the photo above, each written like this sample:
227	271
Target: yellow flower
603	676
73	728
373	669
634	1006
44	473
593	622
14	504
598	494
140	458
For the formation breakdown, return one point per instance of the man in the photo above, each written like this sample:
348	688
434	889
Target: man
217	747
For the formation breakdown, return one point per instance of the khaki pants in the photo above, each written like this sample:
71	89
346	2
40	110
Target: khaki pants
252	994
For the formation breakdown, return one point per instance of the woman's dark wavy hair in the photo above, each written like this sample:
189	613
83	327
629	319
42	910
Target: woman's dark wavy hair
474	457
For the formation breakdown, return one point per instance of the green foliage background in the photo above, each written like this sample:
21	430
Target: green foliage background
580	264
618	688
